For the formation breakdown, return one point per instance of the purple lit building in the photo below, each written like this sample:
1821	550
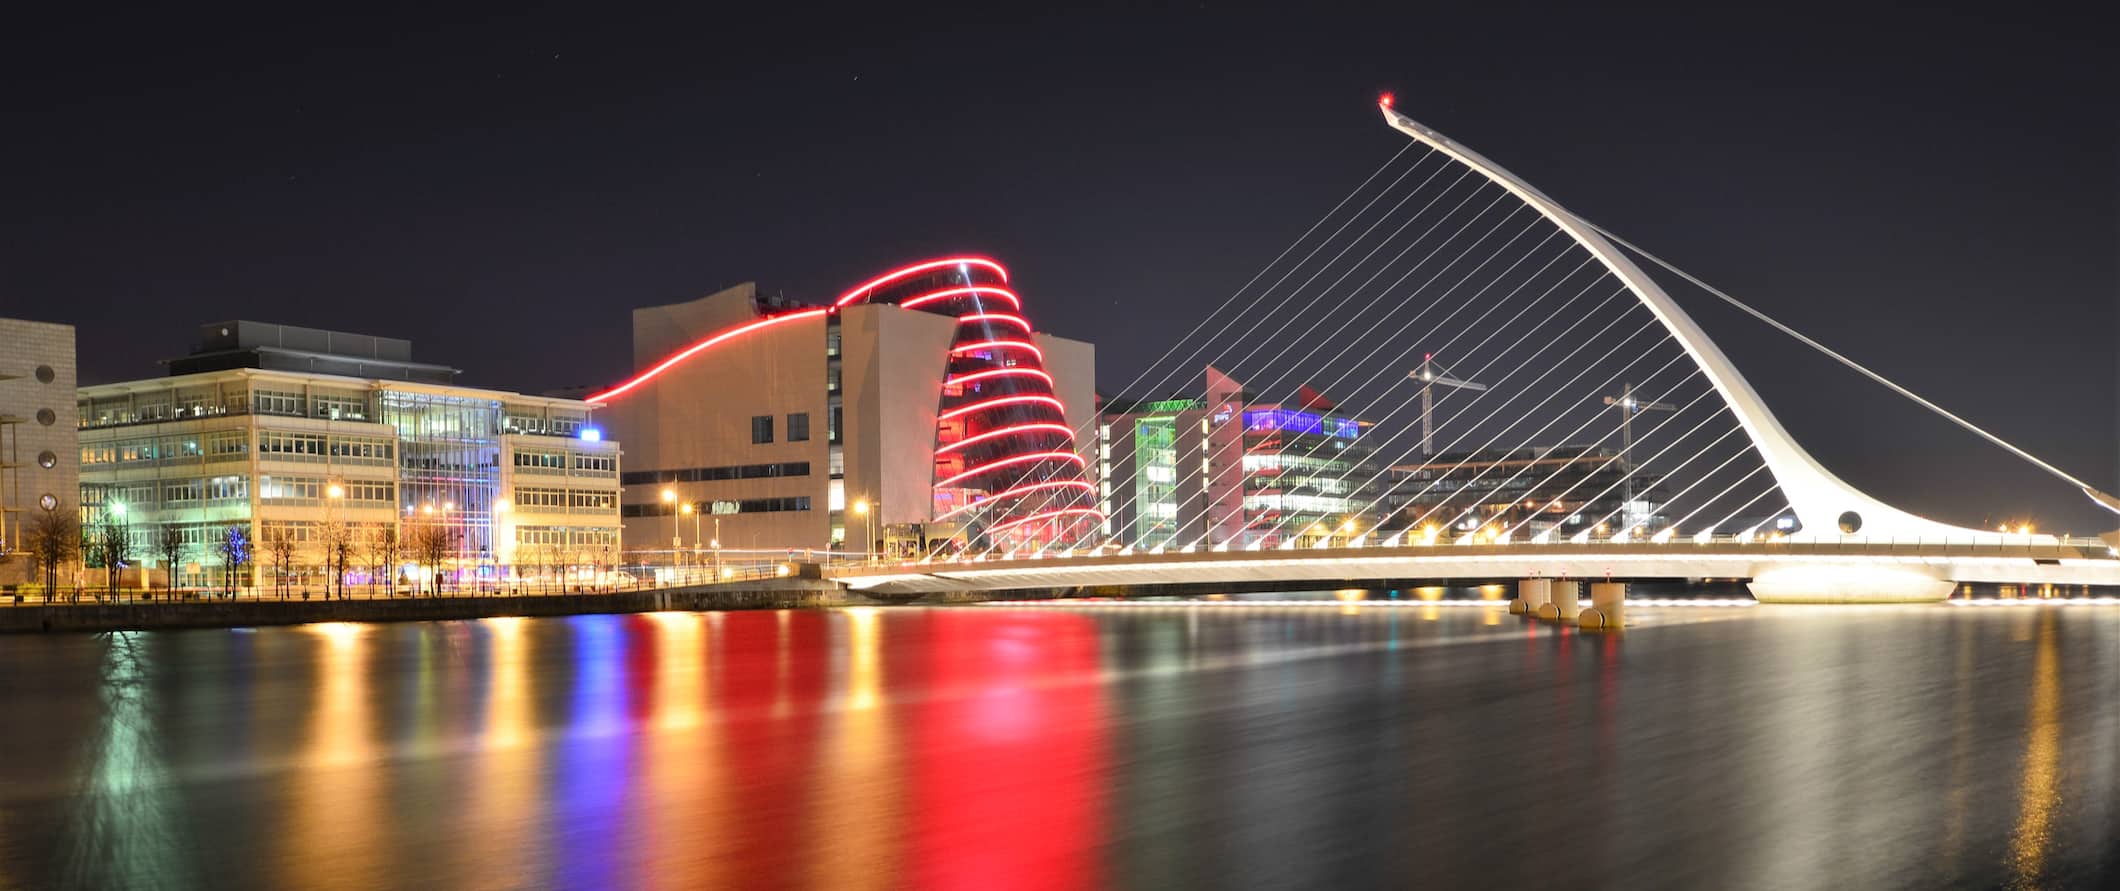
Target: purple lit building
1231	471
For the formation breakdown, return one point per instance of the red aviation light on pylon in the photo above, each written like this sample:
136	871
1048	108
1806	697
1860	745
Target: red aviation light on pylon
1385	99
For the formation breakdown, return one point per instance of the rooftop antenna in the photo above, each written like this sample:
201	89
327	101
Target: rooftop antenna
1432	375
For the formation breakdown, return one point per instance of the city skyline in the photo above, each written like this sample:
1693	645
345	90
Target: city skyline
468	190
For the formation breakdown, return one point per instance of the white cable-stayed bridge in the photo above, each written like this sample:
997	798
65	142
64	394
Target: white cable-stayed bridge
1488	386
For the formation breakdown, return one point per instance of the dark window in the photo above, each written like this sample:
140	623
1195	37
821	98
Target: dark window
743	506
761	429
799	427
712	474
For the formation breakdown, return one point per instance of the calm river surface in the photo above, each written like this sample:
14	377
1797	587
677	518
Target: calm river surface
1065	747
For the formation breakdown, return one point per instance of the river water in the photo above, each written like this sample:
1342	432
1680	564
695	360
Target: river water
1073	747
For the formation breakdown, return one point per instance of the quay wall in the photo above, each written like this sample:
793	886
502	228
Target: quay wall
77	617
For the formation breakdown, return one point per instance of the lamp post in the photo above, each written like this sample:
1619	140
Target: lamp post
686	508
869	523
669	497
717	549
117	510
503	547
333	544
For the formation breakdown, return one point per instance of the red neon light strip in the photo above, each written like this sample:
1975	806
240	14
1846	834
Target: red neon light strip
1018	459
1044	515
915	269
999	372
1019	490
1004	431
687	352
998	401
993	344
933	296
995	317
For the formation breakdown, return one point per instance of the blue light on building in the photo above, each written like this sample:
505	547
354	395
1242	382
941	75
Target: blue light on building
1292	421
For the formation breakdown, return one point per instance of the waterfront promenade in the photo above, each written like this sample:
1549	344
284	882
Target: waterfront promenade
97	612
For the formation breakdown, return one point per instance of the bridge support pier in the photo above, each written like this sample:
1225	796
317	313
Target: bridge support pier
1530	595
1567	601
1607	610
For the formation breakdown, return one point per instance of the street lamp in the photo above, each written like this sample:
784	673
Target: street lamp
869	523
333	545
669	496
717	547
503	546
686	508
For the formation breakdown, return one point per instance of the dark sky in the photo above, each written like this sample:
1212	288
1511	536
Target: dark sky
1935	195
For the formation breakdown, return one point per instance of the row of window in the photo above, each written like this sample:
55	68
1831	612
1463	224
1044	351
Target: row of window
314	446
146	495
592	464
296	488
534	500
214	444
798	428
562	536
711	474
524	421
724	506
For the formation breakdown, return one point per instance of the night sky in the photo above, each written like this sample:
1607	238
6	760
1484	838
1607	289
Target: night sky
1933	195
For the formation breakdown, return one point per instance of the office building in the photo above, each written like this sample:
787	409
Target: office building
1563	490
279	432
1230	470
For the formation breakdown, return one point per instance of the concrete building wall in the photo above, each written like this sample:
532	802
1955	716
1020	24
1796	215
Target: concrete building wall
894	361
45	426
698	415
659	331
1073	365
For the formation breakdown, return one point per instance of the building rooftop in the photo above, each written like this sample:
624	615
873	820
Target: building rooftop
266	345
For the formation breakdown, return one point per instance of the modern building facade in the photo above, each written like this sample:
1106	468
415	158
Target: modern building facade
919	412
258	431
1228	470
38	452
1564	490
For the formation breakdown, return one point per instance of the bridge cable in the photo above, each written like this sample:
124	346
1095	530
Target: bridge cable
2105	500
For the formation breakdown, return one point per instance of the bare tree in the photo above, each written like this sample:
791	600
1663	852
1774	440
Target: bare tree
54	539
431	544
169	545
338	540
279	543
113	547
233	547
380	546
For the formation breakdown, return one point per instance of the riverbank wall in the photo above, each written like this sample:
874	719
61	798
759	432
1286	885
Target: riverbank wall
764	594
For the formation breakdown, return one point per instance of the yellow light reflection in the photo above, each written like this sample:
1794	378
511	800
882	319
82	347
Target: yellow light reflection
503	797
336	809
2039	790
859	839
683	758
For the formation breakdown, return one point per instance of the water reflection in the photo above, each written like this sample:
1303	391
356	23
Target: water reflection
127	830
2041	781
1425	744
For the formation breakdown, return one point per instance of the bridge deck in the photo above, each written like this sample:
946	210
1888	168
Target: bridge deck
2060	564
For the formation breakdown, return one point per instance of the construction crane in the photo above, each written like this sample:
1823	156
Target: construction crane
1432	375
1629	406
